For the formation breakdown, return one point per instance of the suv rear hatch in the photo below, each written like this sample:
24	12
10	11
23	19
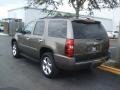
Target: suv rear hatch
90	40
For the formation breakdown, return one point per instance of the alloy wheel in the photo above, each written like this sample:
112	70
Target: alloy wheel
47	66
14	50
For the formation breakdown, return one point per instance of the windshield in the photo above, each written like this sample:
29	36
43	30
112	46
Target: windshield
88	30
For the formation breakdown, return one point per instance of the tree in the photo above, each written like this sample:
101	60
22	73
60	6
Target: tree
78	5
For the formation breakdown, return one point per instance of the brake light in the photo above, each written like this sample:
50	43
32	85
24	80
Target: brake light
69	47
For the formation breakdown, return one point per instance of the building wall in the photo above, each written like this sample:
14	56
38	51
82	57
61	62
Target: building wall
26	14
113	14
116	18
107	23
33	14
109	17
17	13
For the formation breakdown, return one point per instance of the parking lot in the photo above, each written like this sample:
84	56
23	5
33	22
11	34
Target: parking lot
23	74
113	48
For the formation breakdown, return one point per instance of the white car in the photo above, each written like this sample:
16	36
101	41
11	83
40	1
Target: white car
113	34
1	28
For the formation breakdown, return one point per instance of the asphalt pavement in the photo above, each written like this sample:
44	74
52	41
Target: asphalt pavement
24	74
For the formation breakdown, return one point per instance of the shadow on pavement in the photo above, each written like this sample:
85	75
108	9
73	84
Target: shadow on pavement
64	74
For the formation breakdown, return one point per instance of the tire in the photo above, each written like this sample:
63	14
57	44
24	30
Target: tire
97	65
48	66
114	37
15	50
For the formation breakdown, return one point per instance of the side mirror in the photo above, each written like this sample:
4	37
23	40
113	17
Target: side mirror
23	32
27	32
18	29
116	32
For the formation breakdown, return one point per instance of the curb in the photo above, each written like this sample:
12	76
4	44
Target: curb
110	69
3	34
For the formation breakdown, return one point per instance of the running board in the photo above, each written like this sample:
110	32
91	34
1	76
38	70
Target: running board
28	57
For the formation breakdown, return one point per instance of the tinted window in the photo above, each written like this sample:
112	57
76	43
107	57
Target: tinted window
57	28
88	30
39	28
29	27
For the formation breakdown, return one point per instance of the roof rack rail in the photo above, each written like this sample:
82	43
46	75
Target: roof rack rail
58	17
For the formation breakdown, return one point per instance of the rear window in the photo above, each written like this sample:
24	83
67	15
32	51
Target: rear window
57	28
88	30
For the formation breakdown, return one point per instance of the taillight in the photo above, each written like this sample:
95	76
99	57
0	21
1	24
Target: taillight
69	47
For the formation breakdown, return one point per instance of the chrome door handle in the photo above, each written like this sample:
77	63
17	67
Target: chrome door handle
27	38
40	40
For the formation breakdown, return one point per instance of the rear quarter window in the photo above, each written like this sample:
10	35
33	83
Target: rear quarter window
57	28
88	31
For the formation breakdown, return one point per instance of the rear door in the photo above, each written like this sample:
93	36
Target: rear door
91	40
37	39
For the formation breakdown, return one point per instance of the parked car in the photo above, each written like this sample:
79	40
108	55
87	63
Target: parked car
68	44
113	34
1	28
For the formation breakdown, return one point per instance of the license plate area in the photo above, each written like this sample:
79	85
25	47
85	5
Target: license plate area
93	49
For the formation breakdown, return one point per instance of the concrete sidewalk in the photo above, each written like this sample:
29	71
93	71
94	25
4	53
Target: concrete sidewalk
3	34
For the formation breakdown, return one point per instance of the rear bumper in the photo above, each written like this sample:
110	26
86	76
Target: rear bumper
67	63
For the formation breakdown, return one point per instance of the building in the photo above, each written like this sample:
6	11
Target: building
107	23
11	24
30	14
113	14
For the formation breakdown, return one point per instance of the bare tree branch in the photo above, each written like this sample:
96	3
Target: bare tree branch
78	5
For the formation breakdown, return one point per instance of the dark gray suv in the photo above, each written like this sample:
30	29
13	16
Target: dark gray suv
67	44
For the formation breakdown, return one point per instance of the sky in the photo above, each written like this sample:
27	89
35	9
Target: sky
6	5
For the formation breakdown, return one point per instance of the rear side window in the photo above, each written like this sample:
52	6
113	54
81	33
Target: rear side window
57	28
39	28
88	30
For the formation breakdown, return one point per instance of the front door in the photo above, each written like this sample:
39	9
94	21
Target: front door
24	39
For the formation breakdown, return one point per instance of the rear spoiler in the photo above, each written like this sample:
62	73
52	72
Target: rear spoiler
87	21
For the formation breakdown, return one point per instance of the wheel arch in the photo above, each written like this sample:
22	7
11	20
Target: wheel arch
44	50
13	40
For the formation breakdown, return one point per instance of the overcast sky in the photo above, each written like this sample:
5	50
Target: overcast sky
6	5
4	2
